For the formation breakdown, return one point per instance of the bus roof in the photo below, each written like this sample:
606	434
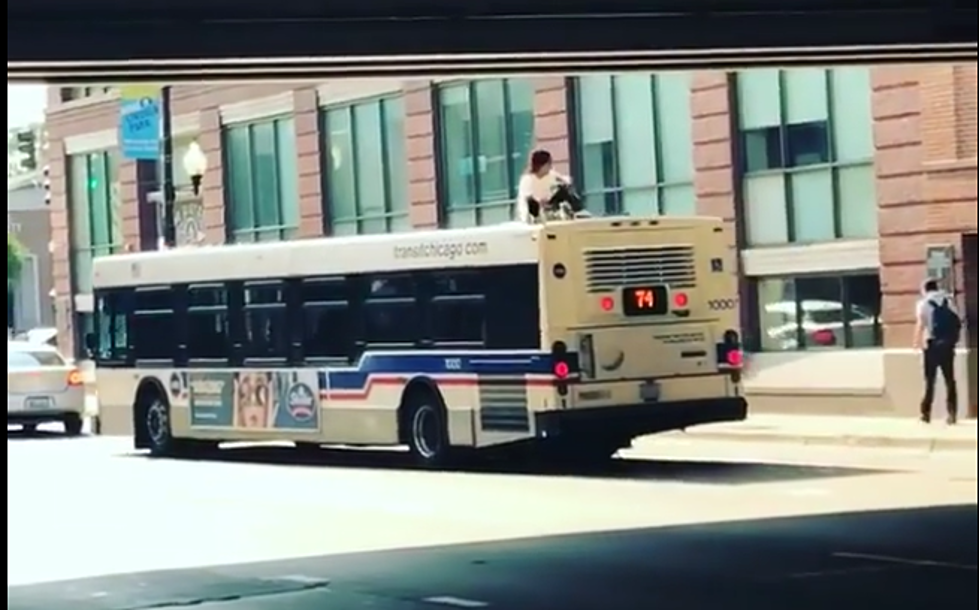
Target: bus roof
502	244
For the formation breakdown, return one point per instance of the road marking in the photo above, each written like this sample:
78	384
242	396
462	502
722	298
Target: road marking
456	602
908	562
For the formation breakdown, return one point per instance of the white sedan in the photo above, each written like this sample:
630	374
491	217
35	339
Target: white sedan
43	387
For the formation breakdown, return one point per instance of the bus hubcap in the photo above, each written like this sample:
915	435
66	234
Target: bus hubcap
426	432
156	423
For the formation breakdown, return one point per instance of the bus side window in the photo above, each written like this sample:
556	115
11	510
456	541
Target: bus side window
208	336
152	326
457	315
266	321
390	312
111	320
513	307
326	319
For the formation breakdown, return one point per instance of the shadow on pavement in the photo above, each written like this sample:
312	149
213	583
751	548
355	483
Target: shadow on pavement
704	472
901	560
52	433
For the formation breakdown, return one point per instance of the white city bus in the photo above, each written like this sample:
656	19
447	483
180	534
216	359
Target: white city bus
577	336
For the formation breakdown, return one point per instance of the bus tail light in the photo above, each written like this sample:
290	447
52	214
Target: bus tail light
681	300
607	303
75	378
564	366
729	353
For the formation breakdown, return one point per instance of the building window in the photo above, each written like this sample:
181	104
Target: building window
818	312
366	167
634	144
95	212
806	139
487	129
261	181
69	94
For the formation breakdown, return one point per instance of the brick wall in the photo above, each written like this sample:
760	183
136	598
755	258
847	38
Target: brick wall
925	134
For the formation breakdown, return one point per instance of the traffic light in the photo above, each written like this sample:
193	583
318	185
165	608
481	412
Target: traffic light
46	184
27	147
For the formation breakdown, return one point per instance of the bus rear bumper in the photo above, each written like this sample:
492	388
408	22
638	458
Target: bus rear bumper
630	421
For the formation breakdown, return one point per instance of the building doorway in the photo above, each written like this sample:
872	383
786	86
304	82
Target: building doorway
970	272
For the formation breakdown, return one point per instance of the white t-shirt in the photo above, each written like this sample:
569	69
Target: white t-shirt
540	188
925	306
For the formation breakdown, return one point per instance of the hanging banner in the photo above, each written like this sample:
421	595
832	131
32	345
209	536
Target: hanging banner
139	122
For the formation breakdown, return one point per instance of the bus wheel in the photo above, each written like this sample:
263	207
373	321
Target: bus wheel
156	420
428	435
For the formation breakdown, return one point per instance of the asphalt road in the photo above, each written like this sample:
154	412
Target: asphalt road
703	526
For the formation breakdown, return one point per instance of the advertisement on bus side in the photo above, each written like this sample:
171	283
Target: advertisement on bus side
255	399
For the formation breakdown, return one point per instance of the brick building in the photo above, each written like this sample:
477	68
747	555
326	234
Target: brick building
839	183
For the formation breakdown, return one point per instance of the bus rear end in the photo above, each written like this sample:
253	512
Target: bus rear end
642	319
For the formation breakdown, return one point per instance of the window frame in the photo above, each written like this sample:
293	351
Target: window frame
833	166
393	210
283	229
479	207
753	334
613	196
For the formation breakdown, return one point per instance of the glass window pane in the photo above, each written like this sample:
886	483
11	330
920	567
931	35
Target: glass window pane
264	170
78	206
369	159
853	132
238	190
595	108
368	225
812	206
288	172
762	149
520	93
777	327
805	95
821	306
491	133
340	171
344	227
98	197
461	219
766	212
495	214
396	160
400	223
637	202
759	101
678	200
863	294
858	201
457	146
635	138
807	144
676	138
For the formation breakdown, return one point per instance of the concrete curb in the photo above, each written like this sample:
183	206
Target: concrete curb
923	444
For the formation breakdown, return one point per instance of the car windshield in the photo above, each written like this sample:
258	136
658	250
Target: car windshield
24	359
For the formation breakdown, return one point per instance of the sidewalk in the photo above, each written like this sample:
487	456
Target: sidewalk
843	431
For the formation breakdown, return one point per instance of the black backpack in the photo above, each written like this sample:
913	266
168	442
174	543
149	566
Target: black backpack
946	325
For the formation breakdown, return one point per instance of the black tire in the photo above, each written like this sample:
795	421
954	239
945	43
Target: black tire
73	425
155	414
427	431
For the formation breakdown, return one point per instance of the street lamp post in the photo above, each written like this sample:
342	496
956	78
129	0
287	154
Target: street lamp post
168	192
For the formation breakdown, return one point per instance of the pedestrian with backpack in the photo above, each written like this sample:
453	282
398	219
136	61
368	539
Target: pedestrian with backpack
937	333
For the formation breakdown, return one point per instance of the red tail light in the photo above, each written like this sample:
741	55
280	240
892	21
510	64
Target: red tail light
75	378
561	370
681	300
735	357
607	303
824	337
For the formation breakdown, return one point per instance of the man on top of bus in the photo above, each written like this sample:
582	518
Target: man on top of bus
540	186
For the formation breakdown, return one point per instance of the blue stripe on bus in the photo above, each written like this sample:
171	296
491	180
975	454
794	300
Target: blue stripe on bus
435	363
